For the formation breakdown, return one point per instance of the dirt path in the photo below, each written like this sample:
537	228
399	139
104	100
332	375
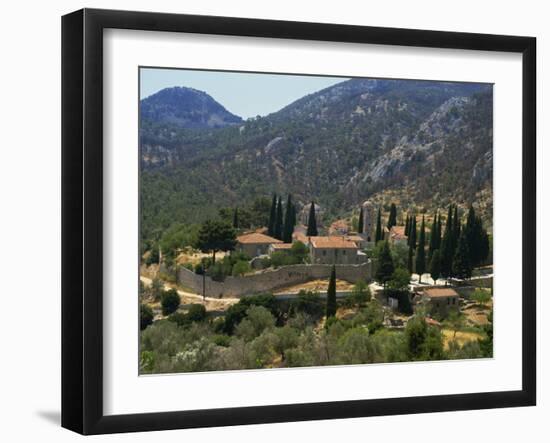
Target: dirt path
211	304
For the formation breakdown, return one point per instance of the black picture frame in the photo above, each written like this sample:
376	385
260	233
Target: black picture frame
82	218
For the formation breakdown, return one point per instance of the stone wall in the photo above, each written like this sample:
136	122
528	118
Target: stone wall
271	279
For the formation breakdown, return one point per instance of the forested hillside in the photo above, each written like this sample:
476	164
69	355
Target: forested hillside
430	143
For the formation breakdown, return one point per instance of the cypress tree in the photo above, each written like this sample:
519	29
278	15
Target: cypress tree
378	234
439	231
484	247
447	250
288	226
407	220
456	227
435	265
392	219
477	238
236	218
360	224
412	236
272	216
421	252
433	237
473	237
410	260
449	224
312	222
385	266
331	294
278	229
293	215
462	267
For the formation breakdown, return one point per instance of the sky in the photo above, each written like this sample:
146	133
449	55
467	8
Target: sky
244	94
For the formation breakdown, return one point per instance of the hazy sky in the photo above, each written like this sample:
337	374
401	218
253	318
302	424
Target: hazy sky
244	94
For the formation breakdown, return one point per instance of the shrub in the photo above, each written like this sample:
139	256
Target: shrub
423	342
221	340
157	289
280	258
145	316
196	312
178	318
415	335
400	279
356	346
170	302
153	256
265	262
217	272
307	302
481	297
146	362
286	338
372	316
240	268
299	252
237	312
359	295
257	320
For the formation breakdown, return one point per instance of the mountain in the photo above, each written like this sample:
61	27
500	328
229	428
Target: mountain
185	108
424	143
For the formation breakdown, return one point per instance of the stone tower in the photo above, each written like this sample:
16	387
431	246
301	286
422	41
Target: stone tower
369	220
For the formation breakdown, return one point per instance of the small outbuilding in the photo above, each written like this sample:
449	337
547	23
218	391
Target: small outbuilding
441	300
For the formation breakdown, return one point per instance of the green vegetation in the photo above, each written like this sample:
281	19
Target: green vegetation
170	301
481	297
290	220
435	265
278	227
312	222
145	316
199	188
265	332
420	264
331	294
360	295
297	254
384	262
272	217
378	235
392	219
188	173
214	236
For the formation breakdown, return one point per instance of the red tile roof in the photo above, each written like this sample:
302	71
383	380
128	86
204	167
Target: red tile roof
333	242
440	292
256	238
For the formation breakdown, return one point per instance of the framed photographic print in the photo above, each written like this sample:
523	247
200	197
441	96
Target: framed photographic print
270	221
